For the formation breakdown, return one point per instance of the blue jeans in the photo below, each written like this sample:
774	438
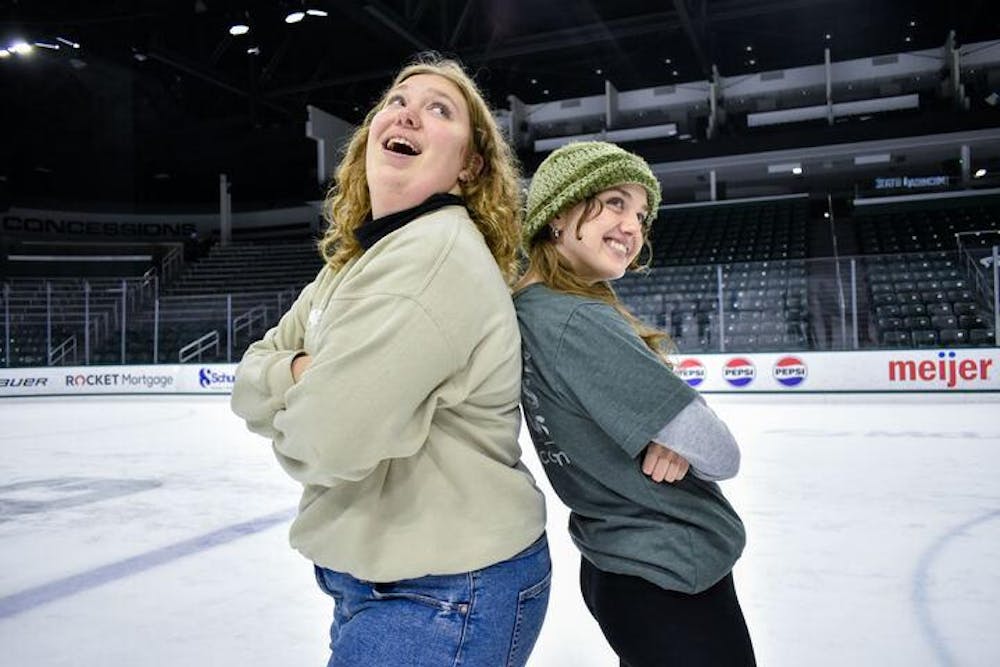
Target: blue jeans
486	618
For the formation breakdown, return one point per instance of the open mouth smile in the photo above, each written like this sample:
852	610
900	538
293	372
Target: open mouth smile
401	146
618	246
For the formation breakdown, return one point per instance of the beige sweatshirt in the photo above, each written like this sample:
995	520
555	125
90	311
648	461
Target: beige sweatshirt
404	429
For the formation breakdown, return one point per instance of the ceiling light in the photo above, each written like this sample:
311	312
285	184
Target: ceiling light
295	17
749	49
4	53
908	39
979	173
67	42
598	71
913	24
22	48
876	158
668	61
316	12
784	168
47	45
829	36
674	72
253	51
238	29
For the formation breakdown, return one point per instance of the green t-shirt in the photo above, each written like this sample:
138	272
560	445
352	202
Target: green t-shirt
594	396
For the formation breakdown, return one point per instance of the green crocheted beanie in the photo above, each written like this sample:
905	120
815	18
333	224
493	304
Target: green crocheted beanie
580	170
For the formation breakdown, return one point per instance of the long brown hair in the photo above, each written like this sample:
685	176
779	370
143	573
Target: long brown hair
547	264
493	198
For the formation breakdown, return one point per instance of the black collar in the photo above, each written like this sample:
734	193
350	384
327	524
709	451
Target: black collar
372	231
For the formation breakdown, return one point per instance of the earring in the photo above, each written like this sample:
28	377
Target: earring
463	176
555	232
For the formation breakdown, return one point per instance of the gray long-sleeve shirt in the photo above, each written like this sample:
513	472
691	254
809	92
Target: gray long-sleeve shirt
697	434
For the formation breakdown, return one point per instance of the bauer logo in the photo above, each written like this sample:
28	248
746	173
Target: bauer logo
790	371
691	371
212	379
19	383
739	372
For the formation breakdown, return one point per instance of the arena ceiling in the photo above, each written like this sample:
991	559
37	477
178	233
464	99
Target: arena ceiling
158	97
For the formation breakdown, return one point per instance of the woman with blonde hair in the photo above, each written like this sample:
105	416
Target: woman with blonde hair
617	431
390	391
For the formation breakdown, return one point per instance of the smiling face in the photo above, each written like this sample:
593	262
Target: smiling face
418	144
602	246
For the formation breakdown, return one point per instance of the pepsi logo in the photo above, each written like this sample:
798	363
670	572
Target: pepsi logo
691	371
790	371
739	372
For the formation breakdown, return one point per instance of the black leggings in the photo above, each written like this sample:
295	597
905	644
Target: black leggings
648	626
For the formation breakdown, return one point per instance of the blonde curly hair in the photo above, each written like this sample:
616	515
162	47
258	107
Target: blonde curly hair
493	198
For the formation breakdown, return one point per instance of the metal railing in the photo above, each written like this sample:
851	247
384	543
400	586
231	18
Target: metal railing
831	304
245	322
197	347
65	350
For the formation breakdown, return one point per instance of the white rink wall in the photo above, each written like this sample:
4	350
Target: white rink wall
964	369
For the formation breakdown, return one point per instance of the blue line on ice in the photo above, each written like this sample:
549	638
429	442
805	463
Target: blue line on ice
18	603
921	580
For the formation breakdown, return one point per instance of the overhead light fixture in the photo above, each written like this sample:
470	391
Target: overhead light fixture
253	51
877	158
47	45
784	168
67	42
979	173
238	29
317	12
21	48
4	53
295	17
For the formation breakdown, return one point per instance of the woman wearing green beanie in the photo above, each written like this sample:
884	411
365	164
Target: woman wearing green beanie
617	432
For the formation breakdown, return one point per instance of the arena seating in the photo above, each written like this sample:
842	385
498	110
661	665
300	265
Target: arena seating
759	248
764	304
254	283
922	295
725	233
731	277
32	300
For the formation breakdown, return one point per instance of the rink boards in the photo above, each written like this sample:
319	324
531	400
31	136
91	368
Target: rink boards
976	369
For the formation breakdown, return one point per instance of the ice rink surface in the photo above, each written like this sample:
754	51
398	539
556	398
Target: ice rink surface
153	531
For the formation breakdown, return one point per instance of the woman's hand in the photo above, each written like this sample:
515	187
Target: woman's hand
662	464
299	365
